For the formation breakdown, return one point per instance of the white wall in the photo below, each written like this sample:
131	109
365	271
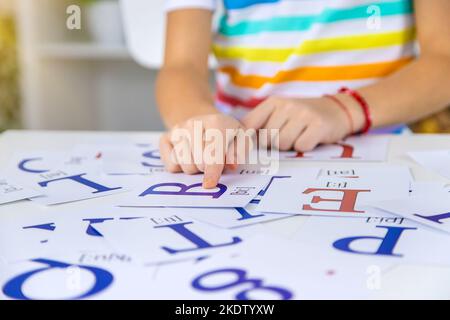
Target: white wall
69	82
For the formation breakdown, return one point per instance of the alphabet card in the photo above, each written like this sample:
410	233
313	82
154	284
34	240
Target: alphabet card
63	186
241	217
375	241
166	237
278	272
36	169
24	165
24	236
124	159
333	196
61	231
180	190
355	148
437	161
428	189
232	217
10	191
430	210
134	159
100	276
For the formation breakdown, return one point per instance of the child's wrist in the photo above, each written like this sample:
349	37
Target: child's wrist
199	111
357	114
363	104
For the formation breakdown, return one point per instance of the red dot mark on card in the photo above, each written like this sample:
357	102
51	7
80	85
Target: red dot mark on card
331	273
98	156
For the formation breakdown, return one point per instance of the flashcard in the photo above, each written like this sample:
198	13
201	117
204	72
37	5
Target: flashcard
437	161
381	242
10	191
77	236
28	164
428	188
64	231
166	237
265	268
356	148
39	234
79	228
62	186
430	283
239	217
97	276
94	216
180	190
232	217
60	177
135	159
24	237
123	159
333	196
431	210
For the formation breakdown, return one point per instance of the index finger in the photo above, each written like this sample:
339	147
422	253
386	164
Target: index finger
212	175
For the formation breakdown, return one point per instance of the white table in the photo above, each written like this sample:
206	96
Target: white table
407	281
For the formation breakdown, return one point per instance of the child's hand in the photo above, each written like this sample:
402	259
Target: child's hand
304	123
197	157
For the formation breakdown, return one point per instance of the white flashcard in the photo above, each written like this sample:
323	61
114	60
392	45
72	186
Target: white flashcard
95	276
73	176
22	237
241	217
381	242
132	159
123	159
357	148
265	268
333	196
430	283
63	231
24	165
77	229
26	236
166	237
422	189
232	217
437	161
63	186
431	210
181	190
10	191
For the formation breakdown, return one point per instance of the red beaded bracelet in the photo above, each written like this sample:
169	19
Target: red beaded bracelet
364	106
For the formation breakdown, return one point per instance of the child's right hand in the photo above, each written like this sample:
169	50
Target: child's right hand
197	156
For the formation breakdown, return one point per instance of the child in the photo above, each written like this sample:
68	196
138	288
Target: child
316	70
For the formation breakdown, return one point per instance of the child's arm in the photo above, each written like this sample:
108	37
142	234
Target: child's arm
423	87
419	89
182	87
184	95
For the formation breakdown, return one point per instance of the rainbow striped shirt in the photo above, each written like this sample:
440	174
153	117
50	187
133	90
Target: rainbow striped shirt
304	48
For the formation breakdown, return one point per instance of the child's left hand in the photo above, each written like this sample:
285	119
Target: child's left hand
304	123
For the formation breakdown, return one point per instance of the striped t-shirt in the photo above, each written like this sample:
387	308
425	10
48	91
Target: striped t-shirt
304	48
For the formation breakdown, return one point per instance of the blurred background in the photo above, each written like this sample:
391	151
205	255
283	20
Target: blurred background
72	65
